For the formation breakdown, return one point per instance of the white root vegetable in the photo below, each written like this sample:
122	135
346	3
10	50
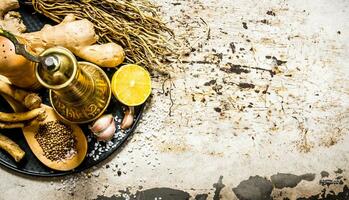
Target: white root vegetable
11	147
29	100
79	37
11	125
24	116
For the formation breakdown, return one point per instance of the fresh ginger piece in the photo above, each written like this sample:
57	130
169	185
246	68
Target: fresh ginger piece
79	37
7	5
11	147
107	55
69	34
11	21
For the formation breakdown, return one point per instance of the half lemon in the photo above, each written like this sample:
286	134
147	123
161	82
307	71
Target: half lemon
131	85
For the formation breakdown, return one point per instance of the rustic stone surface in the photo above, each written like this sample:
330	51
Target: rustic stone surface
264	90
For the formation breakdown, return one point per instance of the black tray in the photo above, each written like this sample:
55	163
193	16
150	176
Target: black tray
30	165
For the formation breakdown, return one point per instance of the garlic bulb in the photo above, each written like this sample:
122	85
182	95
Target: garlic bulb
128	119
108	133
104	127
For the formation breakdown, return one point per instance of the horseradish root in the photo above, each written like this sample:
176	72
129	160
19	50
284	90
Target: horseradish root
11	147
11	125
29	100
38	113
79	37
11	21
32	101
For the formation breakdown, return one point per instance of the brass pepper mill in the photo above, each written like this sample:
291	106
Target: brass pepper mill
79	91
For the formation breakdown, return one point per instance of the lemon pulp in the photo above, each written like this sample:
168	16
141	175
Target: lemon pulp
131	85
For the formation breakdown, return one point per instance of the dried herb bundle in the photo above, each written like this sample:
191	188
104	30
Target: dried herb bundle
134	24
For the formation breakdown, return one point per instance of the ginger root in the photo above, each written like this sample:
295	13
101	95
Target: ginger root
11	147
11	21
79	37
105	55
38	113
29	100
7	5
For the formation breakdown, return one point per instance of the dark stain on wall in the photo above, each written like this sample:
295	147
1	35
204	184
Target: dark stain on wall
201	197
255	188
232	47
276	60
259	188
338	171
281	180
326	180
246	85
154	193
244	24
114	197
219	186
236	69
164	193
324	174
344	195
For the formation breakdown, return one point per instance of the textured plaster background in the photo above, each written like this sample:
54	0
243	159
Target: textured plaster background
265	90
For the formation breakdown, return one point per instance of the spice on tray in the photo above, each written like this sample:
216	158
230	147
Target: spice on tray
56	140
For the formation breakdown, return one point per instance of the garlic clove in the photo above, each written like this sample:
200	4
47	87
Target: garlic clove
101	124
108	133
128	119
